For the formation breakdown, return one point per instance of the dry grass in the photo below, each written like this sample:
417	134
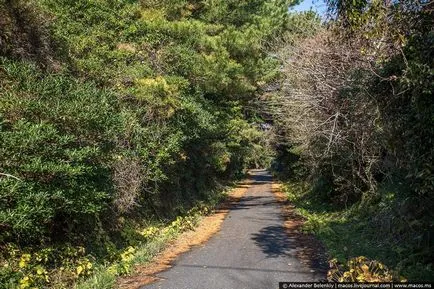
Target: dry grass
128	47
208	226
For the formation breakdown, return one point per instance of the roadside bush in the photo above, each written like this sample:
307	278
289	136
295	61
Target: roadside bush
356	107
360	269
57	136
25	34
115	114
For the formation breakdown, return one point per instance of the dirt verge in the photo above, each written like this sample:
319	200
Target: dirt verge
310	250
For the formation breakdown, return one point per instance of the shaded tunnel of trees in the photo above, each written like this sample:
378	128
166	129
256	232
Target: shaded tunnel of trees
119	115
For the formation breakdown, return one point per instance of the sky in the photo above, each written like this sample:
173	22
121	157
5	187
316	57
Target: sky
316	5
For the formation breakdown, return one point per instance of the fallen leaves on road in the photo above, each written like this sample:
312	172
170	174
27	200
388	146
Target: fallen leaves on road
309	250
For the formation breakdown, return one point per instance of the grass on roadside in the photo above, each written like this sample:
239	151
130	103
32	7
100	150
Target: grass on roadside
105	276
76	267
353	231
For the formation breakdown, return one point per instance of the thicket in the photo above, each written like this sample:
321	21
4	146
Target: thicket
117	113
355	119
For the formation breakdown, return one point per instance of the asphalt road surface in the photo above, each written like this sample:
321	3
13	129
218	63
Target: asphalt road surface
251	251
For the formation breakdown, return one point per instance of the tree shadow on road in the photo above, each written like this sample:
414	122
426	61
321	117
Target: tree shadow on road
274	241
289	240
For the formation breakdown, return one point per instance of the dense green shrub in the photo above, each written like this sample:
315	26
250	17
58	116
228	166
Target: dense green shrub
57	138
125	109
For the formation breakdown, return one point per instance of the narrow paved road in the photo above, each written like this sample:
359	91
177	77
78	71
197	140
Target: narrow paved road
252	249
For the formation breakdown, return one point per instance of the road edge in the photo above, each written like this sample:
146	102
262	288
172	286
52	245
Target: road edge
310	251
208	226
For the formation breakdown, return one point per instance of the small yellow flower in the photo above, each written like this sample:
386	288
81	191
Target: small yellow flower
40	271
24	260
24	282
79	269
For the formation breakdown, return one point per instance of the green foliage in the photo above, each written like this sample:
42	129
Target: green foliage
56	138
301	25
45	267
116	114
356	119
358	111
360	230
